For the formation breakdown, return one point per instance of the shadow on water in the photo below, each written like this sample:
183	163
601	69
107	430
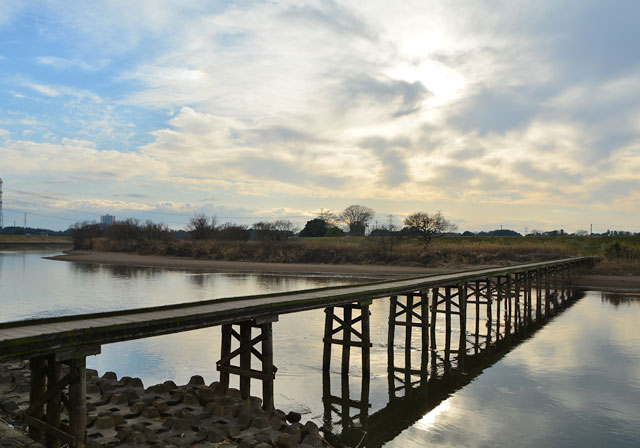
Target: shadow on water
421	396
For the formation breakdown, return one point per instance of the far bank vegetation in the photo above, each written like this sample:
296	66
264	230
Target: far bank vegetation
426	239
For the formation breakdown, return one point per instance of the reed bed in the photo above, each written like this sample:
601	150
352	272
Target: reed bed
405	252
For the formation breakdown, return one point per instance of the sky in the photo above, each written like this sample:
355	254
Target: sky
521	114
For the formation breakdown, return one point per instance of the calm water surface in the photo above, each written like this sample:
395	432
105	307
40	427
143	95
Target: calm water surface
575	383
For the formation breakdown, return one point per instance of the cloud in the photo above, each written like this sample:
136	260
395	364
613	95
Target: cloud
398	97
443	106
54	91
43	89
67	64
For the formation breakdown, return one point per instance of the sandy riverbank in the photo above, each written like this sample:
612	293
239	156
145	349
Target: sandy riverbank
118	258
624	282
610	282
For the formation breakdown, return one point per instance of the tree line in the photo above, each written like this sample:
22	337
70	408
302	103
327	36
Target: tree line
354	220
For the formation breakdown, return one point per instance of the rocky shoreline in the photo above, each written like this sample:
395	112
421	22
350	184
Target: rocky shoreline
121	413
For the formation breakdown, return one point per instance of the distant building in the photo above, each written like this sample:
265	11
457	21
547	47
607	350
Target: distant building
107	220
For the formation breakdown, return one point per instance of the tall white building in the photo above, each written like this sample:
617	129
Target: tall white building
107	220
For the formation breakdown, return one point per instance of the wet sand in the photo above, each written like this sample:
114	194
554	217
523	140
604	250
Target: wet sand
624	282
118	258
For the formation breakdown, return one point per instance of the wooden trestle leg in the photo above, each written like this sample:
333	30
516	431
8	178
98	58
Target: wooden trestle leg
415	311
47	395
351	337
247	348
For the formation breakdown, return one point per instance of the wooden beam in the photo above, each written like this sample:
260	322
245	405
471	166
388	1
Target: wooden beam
424	332
54	372
46	428
346	341
37	395
78	402
267	366
328	326
245	359
225	349
462	343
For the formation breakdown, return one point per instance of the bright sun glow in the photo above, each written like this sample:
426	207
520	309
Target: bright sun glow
446	84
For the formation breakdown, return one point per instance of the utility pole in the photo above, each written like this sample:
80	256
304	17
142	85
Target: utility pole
25	221
1	217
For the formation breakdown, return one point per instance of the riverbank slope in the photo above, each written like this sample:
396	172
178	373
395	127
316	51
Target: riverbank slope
625	282
119	258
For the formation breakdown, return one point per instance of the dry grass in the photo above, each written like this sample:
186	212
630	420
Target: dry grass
617	267
345	251
26	239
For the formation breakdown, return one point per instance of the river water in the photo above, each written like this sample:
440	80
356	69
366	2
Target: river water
576	382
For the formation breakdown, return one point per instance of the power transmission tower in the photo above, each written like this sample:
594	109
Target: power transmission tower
1	217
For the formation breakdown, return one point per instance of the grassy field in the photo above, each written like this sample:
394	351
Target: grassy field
579	245
29	239
352	250
620	255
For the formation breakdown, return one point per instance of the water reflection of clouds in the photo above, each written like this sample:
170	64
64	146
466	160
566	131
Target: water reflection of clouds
576	383
154	360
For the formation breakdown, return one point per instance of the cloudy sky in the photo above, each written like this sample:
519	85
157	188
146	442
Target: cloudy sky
513	113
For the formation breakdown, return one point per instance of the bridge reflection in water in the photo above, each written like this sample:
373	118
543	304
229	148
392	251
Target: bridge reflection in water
463	329
464	319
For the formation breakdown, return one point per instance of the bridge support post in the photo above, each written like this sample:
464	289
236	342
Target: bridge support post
54	373
447	298
447	330
360	339
37	390
475	293
563	283
78	401
499	296
538	296
248	347
507	307
462	309
489	300
346	326
47	395
416	315
435	298
517	293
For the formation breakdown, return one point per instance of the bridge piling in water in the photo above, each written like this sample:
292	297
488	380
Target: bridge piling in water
352	314
248	347
47	397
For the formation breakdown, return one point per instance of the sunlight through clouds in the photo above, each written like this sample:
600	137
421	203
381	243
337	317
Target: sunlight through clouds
420	105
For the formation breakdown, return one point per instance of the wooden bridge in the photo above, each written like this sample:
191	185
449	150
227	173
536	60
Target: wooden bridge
506	295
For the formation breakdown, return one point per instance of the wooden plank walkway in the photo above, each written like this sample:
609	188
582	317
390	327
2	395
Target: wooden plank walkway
25	339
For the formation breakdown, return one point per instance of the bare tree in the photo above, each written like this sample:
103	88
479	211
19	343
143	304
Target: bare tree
200	228
280	229
429	226
327	216
356	217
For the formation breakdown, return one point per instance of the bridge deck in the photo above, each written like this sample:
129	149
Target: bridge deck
42	336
